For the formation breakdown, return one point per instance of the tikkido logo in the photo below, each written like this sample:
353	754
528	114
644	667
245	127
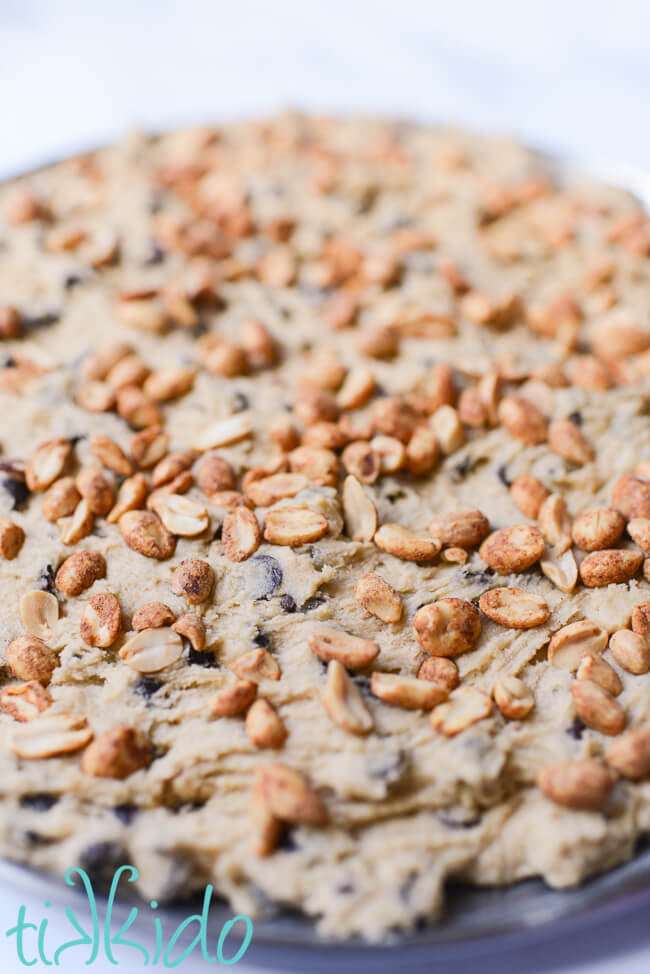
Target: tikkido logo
95	938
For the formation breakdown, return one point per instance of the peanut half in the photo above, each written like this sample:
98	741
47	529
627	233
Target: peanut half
378	597
352	651
583	784
514	607
448	627
343	701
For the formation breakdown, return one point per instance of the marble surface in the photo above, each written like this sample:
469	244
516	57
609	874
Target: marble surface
569	77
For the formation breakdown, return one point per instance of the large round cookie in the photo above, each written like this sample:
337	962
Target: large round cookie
314	407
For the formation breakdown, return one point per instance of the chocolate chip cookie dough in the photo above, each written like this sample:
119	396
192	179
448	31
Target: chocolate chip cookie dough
325	518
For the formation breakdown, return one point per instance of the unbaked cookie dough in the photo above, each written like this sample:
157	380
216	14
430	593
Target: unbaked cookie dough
304	424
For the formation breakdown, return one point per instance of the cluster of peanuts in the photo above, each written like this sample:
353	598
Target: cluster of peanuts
342	432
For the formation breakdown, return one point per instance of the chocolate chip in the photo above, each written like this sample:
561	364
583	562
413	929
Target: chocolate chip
406	888
502	474
458	820
317	557
71	281
35	838
201	659
17	489
577	728
155	256
261	639
240	402
312	603
482	576
46	580
394	495
39	801
146	686
34	322
576	417
288	842
217	534
101	860
387	766
265	576
126	813
345	889
463	467
288	603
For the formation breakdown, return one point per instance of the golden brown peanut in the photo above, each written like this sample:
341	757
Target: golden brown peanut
12	537
223	432
215	474
149	446
263	725
193	629
359	511
344	702
464	707
117	754
170	466
256	665
529	494
101	620
514	607
152	650
631	650
29	658
583	784
61	499
24	701
145	533
232	699
513	698
402	543
50	735
39	612
131	495
561	570
598	670
46	463
294	526
513	549
354	653
610	566
378	597
448	429
407	691
152	615
555	524
522	420
193	578
598	528
630	754
80	571
638	529
463	529
111	455
571	643
631	497
289	797
641	620
441	670
597	708
567	440
96	490
241	536
448	627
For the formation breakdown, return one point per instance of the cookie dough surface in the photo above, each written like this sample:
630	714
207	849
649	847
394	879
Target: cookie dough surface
171	244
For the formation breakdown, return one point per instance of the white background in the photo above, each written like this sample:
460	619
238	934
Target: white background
571	76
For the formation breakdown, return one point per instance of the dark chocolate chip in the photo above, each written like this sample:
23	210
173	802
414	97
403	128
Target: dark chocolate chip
464	820
155	256
345	889
502	474
313	603
261	639
46	580
71	281
218	532
17	489
288	842
101	860
35	838
406	888
240	402
317	557
482	576
463	467
288	603
576	417
146	686
34	322
39	801
126	812
577	728
201	659
265	576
